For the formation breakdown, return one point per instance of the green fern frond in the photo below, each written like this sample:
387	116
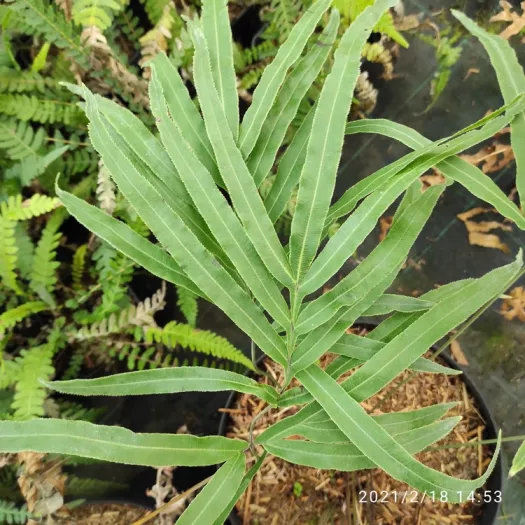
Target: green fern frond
114	280
35	365
19	140
98	13
175	334
155	9
11	513
130	26
353	8
78	266
282	15
12	81
25	249
139	315
251	55
13	316
83	159
251	77
43	110
43	275
138	357
8	255
92	488
16	209
9	372
187	302
75	364
49	22
76	411
29	168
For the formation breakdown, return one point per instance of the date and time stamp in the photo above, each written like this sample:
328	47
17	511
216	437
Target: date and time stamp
416	497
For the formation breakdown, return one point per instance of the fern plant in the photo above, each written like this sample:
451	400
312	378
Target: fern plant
230	254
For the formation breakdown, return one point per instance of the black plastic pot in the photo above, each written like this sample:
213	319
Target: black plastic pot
494	486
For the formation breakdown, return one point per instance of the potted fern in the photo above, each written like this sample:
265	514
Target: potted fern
230	253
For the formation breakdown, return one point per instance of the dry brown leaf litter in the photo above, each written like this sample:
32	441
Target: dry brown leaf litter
508	15
513	307
270	498
478	231
458	354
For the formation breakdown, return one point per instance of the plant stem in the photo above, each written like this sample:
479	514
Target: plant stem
164	507
477	443
252	425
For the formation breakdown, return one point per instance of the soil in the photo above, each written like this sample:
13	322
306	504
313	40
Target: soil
297	495
106	514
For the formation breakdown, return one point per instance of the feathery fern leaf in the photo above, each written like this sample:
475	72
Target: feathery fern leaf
33	166
98	13
353	8
79	264
12	81
282	15
13	316
9	372
76	411
43	110
16	209
43	275
187	302
19	140
8	255
154	9
30	394
75	364
11	513
91	488
47	21
175	334
25	249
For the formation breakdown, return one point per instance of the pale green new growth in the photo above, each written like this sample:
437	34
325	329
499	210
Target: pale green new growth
225	249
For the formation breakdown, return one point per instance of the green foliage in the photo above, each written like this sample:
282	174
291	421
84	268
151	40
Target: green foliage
518	463
353	8
98	13
19	139
227	250
44	276
448	53
11	513
8	253
25	251
175	335
12	81
47	21
11	317
78	267
154	9
43	110
75	411
77	487
187	302
16	209
282	16
30	393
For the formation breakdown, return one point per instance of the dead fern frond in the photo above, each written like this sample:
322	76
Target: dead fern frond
103	59
105	190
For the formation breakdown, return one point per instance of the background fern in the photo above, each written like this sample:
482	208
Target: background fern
10	513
